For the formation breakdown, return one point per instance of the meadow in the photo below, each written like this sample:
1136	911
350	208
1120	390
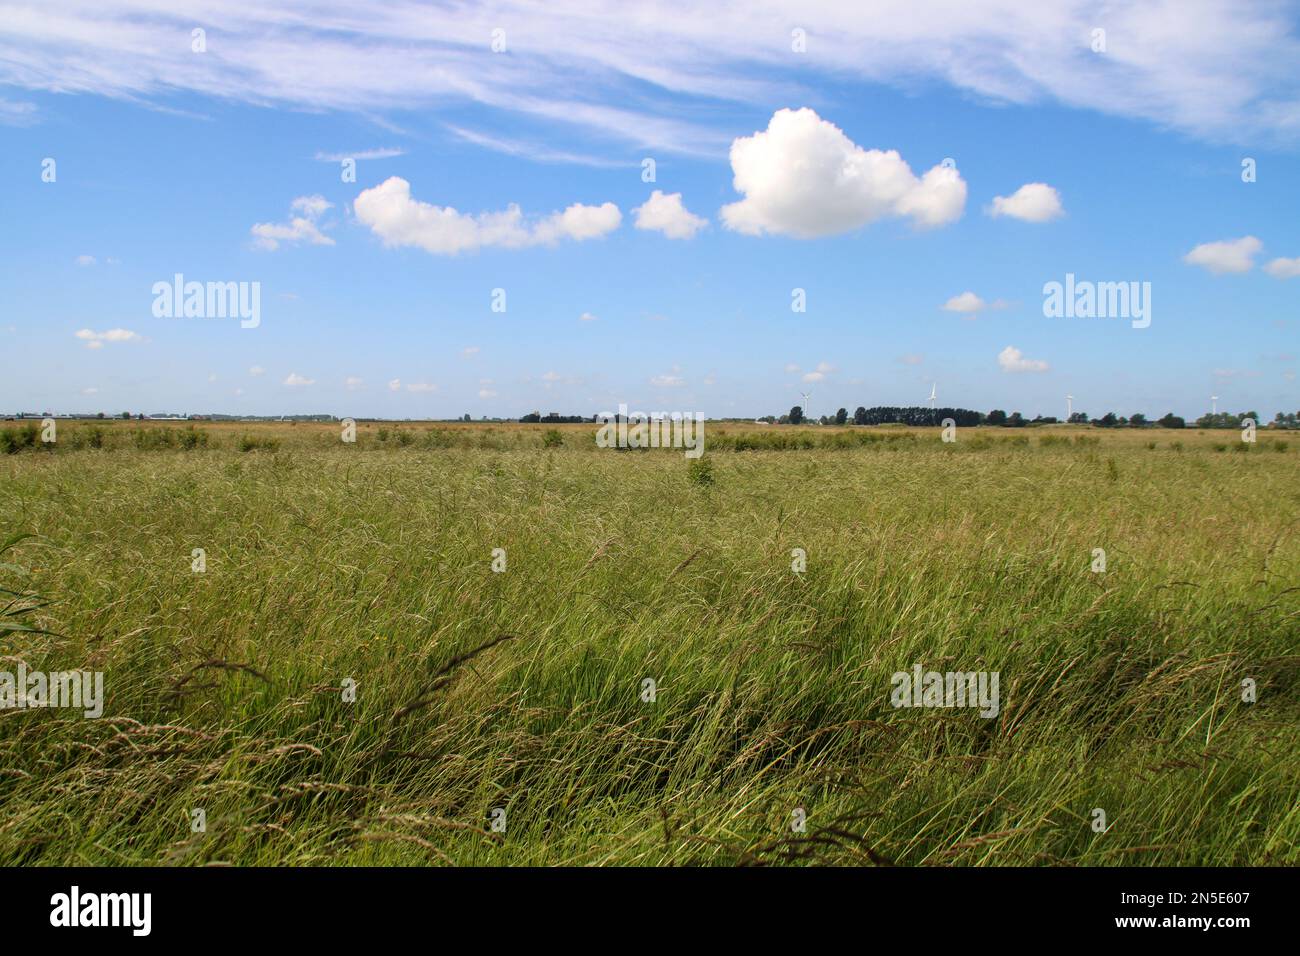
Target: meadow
370	565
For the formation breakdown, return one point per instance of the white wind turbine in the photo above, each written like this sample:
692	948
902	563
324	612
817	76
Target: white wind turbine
1214	404
806	396
1069	407
934	387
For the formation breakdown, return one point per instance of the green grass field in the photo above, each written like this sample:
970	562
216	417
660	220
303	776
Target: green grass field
523	690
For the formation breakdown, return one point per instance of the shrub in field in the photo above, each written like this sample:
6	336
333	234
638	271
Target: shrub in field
1048	441
1176	445
92	437
14	440
1112	470
1279	445
192	438
152	438
439	438
1086	440
699	472
404	438
1220	446
552	439
382	434
253	443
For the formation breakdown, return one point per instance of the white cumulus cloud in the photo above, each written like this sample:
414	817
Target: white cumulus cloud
803	177
968	303
294	380
400	220
1011	359
1284	268
664	212
1032	202
301	227
1228	255
97	340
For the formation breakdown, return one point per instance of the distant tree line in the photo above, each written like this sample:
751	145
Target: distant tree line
555	418
922	416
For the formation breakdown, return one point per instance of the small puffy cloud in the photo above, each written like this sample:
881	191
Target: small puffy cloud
469	351
1011	359
791	368
89	391
97	340
294	380
667	381
486	393
352	383
819	373
664	212
1228	255
394	384
803	177
1284	268
586	317
301	227
256	370
313	207
968	303
399	220
85	260
551	377
1032	202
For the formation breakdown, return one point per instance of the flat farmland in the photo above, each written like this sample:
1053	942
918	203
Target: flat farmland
477	644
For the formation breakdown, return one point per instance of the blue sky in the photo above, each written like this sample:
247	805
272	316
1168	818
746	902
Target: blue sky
167	159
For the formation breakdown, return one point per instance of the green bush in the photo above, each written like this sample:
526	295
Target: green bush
699	472
14	440
253	443
552	439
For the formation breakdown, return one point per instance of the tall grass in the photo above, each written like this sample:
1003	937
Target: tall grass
523	689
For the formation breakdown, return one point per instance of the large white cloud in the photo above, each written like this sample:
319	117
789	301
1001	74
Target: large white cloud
1227	255
803	177
1032	202
400	220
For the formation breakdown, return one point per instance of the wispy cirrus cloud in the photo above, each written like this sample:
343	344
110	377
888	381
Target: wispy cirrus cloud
360	155
1226	72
